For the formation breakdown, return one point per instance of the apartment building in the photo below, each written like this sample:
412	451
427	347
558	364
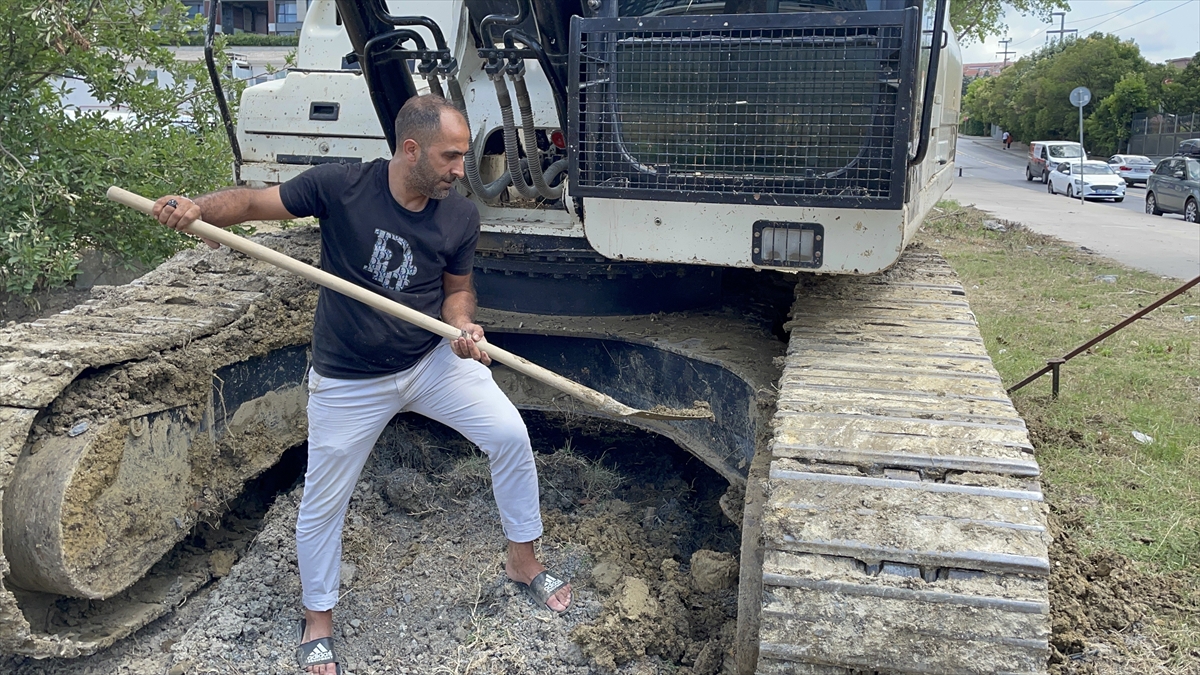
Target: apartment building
266	17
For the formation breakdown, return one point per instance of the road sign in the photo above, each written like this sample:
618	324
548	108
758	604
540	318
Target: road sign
1080	96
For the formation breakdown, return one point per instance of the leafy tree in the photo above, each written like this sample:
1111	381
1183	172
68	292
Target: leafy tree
1108	127
55	166
1180	90
975	20
1031	98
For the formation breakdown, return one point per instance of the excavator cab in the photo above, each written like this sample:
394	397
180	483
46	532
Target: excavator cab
802	136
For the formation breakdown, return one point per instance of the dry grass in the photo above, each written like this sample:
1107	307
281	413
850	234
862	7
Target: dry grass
596	481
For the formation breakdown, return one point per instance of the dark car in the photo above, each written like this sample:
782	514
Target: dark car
1189	148
1174	187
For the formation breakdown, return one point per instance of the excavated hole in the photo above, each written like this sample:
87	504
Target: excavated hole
626	512
674	495
632	518
583	462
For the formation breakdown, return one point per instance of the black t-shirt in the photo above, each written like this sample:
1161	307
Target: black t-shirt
372	241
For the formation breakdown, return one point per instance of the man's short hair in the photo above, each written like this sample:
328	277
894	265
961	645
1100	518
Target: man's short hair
420	118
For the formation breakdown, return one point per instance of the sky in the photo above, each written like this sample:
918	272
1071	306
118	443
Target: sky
1163	29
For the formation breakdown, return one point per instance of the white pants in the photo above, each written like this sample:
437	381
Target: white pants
345	418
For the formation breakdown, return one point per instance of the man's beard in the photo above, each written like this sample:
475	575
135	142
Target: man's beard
428	182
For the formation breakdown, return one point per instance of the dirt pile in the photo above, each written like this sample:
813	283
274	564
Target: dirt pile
423	586
1102	607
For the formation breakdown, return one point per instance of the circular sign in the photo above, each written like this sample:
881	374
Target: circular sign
1080	96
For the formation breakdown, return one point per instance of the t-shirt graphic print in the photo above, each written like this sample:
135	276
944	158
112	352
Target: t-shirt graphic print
381	258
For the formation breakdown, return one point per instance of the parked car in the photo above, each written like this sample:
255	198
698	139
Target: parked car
1045	155
1189	148
1133	168
1174	187
1096	180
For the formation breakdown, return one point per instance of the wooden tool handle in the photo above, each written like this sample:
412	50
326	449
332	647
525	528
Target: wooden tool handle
200	228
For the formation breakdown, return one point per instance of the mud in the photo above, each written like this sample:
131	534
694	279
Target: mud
125	382
699	410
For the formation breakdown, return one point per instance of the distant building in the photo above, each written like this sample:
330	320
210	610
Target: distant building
266	17
1179	63
984	69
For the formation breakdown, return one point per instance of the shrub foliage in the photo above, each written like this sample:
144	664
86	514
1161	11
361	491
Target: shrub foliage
55	165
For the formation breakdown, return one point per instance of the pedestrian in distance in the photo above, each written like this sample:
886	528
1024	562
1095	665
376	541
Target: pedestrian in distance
397	227
1007	140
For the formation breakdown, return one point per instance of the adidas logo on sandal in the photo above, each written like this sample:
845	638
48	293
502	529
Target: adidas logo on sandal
319	653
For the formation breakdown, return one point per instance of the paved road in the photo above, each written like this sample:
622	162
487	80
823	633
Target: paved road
984	158
993	179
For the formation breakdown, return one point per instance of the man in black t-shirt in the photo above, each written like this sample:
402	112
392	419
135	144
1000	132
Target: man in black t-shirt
397	227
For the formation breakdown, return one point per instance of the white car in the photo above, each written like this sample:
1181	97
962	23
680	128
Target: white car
1098	180
1133	168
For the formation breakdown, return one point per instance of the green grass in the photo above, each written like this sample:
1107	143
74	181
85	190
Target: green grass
1037	298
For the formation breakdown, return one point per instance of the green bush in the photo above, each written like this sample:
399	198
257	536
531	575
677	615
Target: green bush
240	40
55	166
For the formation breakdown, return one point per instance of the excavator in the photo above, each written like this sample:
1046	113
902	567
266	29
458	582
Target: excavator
638	165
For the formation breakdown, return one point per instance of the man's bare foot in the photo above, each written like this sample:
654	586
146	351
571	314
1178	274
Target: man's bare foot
318	625
522	566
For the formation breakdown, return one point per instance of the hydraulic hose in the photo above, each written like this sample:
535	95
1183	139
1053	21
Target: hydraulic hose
435	85
487	192
556	85
532	151
511	149
554	170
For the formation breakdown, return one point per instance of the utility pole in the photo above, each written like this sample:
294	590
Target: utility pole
1005	42
1062	26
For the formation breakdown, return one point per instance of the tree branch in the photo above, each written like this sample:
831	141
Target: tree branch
14	159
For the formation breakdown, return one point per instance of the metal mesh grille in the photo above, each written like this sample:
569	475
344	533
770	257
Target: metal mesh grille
795	114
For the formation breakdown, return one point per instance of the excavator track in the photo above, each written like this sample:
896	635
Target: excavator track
903	528
892	520
129	419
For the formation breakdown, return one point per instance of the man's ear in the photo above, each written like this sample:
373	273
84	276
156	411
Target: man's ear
411	149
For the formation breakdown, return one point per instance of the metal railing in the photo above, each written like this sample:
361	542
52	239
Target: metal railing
1053	365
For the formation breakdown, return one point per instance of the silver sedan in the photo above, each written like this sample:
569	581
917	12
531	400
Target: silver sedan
1133	168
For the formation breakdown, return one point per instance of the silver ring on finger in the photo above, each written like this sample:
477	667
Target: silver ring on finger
172	203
